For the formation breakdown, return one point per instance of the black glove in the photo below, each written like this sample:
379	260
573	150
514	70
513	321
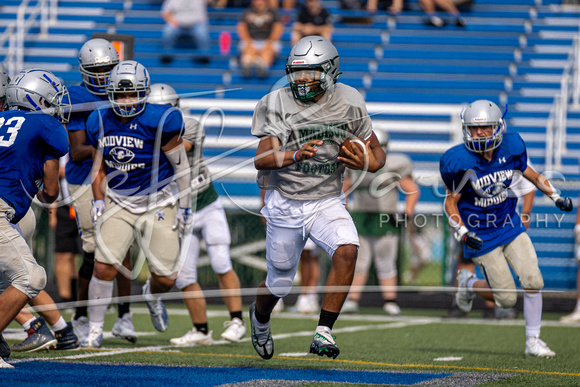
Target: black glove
565	204
472	241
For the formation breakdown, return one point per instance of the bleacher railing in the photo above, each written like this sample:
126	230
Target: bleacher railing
43	14
557	122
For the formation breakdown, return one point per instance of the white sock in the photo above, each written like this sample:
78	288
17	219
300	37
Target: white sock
323	329
27	324
102	291
470	283
533	313
60	324
577	306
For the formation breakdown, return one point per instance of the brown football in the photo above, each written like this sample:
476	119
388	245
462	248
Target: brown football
349	143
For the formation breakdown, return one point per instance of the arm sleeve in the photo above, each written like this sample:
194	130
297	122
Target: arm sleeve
182	176
172	126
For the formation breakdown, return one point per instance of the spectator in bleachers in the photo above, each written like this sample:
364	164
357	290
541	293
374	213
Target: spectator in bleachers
392	6
313	19
430	7
185	17
259	31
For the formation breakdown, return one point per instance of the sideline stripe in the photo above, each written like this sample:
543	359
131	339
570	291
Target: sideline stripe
393	365
175	350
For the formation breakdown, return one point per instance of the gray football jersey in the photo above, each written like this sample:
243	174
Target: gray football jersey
340	114
200	176
379	192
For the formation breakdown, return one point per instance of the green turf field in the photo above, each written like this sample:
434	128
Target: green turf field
475	351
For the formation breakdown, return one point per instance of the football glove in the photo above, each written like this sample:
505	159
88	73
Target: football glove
469	238
472	241
565	204
97	210
183	220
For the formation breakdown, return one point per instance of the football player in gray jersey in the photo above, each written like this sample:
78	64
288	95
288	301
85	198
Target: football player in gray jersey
209	223
301	129
374	210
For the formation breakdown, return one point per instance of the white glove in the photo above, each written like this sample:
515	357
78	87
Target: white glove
183	220
97	210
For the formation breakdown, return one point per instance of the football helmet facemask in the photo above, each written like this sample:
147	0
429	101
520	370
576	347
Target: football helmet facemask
128	88
39	90
163	94
482	113
312	67
97	58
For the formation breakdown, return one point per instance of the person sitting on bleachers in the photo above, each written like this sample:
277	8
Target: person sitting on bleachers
313	19
185	17
392	6
429	6
259	31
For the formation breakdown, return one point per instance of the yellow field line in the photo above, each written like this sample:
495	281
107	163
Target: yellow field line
360	362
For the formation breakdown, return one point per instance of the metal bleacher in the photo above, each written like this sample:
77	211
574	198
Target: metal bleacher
415	79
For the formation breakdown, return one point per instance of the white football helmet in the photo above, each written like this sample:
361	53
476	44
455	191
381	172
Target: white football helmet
4	81
39	90
312	53
482	113
97	58
128	88
163	94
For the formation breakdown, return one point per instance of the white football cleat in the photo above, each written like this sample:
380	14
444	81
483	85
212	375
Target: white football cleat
349	306
80	327
392	309
94	339
193	337
572	318
464	297
5	365
536	347
235	330
124	328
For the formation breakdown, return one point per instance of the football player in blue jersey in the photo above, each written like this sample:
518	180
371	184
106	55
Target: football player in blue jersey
481	207
211	225
97	57
140	173
31	143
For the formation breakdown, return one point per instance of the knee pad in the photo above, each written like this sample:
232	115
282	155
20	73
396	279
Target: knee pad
505	299
33	282
86	269
534	283
185	278
219	257
279	286
386	256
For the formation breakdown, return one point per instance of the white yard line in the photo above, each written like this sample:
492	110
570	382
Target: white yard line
172	348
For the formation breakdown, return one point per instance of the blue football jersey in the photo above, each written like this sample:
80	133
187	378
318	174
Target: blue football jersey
129	149
77	173
27	140
487	205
